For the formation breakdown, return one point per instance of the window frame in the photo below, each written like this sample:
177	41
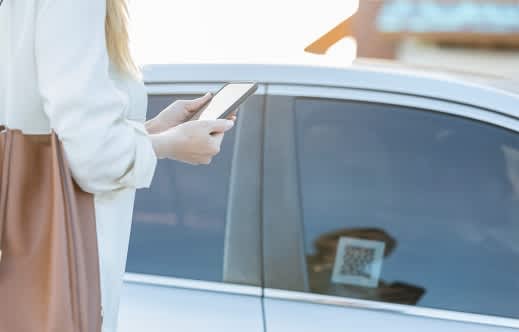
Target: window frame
242	255
282	218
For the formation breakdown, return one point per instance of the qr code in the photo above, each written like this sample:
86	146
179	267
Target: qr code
358	262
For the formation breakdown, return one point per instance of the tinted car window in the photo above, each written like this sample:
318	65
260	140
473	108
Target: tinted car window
409	206
179	223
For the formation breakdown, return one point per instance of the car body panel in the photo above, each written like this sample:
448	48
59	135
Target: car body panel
158	305
291	316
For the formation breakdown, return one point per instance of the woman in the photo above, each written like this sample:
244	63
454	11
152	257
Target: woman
65	65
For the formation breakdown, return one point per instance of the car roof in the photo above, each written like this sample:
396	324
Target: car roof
497	81
489	92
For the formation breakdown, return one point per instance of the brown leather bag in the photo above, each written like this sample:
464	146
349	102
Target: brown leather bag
49	268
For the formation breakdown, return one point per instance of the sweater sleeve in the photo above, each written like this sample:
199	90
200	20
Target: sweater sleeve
105	151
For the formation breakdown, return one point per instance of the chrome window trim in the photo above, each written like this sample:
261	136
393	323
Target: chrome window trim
424	103
189	88
190	284
400	309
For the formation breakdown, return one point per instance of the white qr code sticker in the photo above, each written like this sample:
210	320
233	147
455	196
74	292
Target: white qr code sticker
358	262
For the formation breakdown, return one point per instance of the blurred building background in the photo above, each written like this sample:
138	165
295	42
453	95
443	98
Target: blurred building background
465	35
237	31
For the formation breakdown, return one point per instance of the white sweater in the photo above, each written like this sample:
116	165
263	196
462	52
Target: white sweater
55	74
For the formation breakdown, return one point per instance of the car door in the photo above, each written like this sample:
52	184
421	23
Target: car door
194	255
386	212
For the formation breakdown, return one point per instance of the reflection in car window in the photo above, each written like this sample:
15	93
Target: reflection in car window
179	224
409	206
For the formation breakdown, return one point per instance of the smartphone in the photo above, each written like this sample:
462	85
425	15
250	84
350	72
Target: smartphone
226	100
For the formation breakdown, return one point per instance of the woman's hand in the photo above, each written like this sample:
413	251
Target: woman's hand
193	142
176	113
179	112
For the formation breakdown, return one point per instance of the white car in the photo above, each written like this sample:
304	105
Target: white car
368	198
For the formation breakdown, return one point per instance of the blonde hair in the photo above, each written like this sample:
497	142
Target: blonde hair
117	37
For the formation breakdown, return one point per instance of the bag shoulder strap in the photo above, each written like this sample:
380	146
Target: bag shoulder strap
5	152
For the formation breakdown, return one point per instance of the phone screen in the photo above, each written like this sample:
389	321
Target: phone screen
224	99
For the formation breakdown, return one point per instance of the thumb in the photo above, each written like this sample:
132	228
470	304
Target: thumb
219	126
196	104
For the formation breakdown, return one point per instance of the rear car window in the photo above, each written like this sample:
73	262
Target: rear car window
409	206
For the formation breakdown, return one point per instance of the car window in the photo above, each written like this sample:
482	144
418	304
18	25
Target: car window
179	223
409	206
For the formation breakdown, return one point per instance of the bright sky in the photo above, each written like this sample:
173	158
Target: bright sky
167	31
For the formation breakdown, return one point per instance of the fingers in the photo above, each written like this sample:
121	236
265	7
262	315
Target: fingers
206	161
213	148
204	158
195	104
218	126
217	142
201	160
196	142
232	116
